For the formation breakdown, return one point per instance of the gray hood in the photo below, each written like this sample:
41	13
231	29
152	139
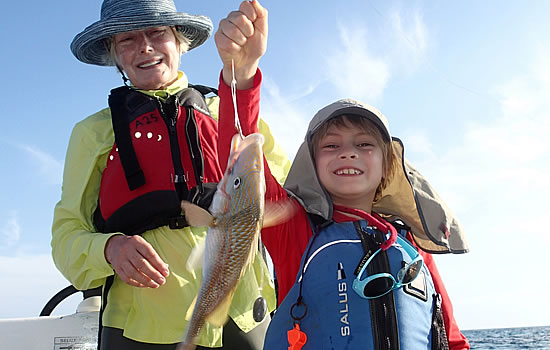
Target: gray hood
407	197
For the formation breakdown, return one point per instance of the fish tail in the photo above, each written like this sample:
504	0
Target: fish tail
186	346
194	326
190	340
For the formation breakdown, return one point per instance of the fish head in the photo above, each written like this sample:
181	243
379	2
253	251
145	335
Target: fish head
243	183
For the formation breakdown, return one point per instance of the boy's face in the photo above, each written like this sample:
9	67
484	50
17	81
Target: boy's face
349	165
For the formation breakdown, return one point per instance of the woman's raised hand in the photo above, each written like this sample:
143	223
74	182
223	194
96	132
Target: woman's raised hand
242	38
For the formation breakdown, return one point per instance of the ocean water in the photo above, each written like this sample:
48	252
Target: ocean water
510	338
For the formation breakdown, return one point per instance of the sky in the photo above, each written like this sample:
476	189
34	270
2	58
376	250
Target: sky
464	84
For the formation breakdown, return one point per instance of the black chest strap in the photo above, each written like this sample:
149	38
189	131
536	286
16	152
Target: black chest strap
123	102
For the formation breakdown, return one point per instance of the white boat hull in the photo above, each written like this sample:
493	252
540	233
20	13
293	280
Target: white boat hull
71	332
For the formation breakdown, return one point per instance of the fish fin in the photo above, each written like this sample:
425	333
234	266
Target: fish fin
278	212
196	258
189	313
251	256
195	215
218	317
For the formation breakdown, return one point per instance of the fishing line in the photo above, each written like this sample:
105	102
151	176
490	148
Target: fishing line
234	97
259	309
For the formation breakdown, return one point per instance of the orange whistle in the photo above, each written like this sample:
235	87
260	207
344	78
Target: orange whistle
296	338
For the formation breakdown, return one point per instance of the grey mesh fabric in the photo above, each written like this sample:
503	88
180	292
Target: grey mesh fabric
408	196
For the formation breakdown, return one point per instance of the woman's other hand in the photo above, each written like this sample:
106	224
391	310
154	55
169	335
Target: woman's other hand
135	261
242	37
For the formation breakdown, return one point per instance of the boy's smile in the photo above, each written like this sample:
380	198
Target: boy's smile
348	172
349	165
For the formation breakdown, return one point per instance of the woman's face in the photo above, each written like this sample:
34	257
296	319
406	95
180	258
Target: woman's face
150	57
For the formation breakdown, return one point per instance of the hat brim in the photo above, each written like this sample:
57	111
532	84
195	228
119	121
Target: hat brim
350	107
89	46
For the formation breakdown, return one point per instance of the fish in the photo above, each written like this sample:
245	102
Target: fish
235	217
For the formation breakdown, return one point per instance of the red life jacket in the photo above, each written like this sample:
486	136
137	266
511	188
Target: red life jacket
163	153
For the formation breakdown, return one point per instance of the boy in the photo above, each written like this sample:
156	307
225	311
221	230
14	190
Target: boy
347	277
341	169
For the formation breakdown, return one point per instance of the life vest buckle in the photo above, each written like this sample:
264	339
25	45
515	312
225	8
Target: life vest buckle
177	222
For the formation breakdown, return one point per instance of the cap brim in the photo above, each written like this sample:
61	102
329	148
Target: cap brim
348	106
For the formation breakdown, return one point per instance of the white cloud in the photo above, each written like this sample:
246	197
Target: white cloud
496	180
47	165
361	65
410	40
417	142
10	232
353	69
287	119
504	159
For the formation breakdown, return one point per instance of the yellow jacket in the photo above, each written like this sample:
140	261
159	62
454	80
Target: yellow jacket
145	314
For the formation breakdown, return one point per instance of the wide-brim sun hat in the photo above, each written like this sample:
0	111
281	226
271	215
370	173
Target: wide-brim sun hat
119	16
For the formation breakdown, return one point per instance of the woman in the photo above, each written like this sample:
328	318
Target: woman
118	223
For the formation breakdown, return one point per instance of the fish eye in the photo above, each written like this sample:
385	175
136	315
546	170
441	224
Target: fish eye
236	182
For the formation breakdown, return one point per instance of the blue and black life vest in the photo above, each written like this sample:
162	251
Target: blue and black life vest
157	160
334	316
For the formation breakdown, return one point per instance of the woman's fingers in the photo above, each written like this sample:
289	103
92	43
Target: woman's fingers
127	273
243	28
260	17
241	40
250	20
247	8
236	29
151	261
136	262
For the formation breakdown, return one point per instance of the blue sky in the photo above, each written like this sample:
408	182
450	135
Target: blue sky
465	85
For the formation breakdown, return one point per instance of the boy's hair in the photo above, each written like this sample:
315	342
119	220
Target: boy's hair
347	120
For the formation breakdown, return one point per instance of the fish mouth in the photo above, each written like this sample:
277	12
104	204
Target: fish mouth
239	145
251	139
149	64
348	171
